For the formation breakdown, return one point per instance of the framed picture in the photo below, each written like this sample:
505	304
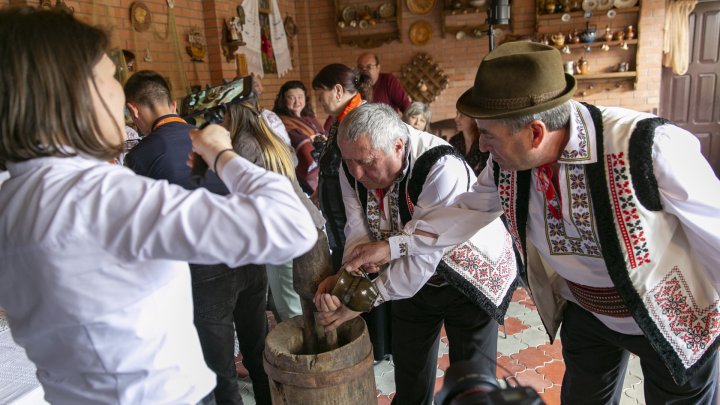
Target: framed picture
264	6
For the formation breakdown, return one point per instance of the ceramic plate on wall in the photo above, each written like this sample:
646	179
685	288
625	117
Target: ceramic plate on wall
603	5
386	10
589	5
420	7
420	32
625	3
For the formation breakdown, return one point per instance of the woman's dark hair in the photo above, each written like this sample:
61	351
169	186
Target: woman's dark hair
351	80
280	107
46	79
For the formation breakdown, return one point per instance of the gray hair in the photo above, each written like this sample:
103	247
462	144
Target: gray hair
554	118
418	108
379	122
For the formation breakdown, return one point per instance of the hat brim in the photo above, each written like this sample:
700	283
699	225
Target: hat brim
466	106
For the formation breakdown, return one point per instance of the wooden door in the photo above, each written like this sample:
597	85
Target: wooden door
692	100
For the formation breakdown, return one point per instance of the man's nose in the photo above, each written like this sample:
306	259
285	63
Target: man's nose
355	170
482	145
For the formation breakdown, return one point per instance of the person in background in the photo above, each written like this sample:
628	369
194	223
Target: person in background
94	277
293	107
615	215
340	90
387	88
222	296
391	175
418	116
466	142
253	139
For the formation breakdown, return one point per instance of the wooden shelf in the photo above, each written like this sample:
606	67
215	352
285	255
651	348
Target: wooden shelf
375	30
581	14
609	75
597	44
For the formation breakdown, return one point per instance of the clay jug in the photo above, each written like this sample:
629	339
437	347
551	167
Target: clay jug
629	32
608	34
582	66
558	39
575	37
550	6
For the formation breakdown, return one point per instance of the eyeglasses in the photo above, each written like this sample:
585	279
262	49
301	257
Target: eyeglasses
367	67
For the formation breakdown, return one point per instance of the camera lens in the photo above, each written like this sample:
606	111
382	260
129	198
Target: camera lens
466	382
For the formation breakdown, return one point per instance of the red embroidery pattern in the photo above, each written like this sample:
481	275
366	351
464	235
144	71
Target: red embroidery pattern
506	192
626	212
491	276
686	326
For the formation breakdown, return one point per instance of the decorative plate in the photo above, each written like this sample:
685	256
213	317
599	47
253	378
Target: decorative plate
420	32
140	16
589	5
603	5
386	10
625	3
349	14
420	7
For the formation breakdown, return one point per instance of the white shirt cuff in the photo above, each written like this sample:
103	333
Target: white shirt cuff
399	246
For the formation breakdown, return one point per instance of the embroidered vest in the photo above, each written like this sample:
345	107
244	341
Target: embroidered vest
484	268
646	252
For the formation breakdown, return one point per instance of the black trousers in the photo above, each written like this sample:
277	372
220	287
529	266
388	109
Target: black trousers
596	358
226	301
416	323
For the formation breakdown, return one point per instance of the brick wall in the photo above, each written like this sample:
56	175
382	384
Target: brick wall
316	46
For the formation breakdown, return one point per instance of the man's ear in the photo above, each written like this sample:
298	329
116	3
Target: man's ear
134	111
538	131
399	146
173	106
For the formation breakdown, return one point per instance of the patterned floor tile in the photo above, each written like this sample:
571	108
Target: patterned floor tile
531	357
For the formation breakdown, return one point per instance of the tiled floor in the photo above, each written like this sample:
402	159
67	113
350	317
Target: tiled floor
524	353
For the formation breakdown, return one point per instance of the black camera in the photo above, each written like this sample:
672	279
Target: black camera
469	383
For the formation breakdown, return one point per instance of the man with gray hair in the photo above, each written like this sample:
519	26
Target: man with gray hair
394	175
615	214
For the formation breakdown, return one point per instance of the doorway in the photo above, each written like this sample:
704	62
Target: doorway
692	101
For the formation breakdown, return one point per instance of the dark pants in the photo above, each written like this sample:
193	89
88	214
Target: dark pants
596	358
222	297
417	321
379	324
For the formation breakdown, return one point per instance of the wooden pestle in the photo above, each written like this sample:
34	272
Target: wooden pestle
308	271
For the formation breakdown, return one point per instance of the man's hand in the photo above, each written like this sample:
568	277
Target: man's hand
326	286
209	141
368	257
332	311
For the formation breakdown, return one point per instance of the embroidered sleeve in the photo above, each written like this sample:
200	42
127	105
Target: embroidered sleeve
398	246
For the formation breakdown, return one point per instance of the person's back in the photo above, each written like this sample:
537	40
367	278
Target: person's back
66	279
94	279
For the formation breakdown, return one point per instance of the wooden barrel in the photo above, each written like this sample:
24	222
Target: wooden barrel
341	376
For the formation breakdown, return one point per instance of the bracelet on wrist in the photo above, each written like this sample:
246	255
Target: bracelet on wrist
217	158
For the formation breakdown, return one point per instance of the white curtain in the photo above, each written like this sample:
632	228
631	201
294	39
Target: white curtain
251	36
676	41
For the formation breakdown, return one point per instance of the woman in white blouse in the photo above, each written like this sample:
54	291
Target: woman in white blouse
94	276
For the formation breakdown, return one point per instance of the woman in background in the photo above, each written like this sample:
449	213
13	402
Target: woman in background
466	141
418	116
293	107
339	90
94	277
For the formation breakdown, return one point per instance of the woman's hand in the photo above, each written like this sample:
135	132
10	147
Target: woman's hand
209	141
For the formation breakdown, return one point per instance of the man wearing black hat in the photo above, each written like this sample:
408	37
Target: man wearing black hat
615	215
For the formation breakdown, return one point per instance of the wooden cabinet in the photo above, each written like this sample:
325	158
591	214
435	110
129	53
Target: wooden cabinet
368	24
611	63
466	19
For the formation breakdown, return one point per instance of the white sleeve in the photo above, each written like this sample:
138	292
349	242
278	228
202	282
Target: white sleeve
689	190
260	221
454	221
407	274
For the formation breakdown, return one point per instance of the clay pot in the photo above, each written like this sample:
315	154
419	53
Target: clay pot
629	33
558	39
575	37
588	34
608	34
619	35
550	6
582	66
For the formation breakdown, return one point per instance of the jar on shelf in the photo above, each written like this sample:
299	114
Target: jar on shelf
629	32
582	66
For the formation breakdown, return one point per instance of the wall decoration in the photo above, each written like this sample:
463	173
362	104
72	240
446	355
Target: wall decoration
420	32
266	47
423	79
420	7
140	16
233	34
198	46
